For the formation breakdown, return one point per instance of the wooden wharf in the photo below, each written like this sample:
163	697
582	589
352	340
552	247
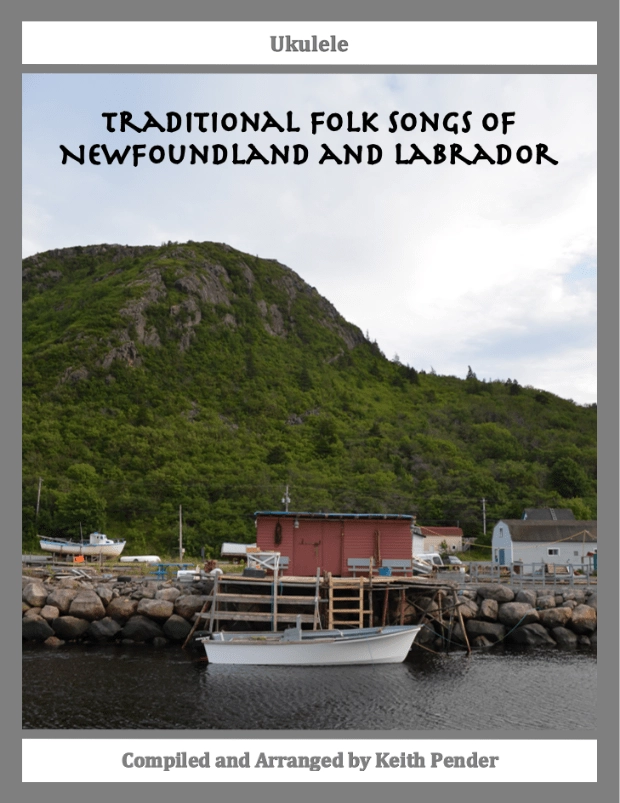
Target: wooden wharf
327	602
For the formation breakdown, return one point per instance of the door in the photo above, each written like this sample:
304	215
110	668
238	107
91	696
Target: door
307	550
502	557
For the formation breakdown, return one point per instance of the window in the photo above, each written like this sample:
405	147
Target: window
576	554
553	551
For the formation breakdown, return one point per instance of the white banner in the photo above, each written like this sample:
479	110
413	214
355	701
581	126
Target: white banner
303	760
316	43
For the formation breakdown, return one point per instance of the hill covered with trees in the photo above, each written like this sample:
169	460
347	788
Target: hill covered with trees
200	376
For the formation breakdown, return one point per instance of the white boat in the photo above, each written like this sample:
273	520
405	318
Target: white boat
97	544
141	559
297	647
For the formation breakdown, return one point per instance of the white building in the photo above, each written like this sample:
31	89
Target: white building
417	540
537	541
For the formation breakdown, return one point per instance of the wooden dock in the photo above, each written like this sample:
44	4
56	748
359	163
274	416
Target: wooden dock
321	602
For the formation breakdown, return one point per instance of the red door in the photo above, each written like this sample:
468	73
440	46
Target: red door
307	550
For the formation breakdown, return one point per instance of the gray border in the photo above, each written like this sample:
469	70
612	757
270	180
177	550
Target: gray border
607	16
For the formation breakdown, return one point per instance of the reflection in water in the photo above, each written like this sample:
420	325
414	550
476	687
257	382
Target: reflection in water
83	687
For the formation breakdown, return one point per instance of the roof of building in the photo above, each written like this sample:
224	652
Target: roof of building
233	549
441	530
548	514
305	515
521	530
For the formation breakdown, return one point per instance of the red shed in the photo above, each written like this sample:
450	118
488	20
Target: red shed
328	540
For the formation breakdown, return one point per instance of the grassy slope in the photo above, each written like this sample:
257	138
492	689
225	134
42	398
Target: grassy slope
212	427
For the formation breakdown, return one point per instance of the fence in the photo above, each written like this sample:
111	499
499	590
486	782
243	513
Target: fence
522	575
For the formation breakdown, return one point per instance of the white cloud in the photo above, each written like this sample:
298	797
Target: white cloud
445	265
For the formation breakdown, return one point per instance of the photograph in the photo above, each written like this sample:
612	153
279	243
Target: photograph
309	403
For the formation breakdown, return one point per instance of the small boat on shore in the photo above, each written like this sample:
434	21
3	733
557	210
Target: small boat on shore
297	647
96	545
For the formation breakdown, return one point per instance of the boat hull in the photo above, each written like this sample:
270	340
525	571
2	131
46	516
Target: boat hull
89	550
386	646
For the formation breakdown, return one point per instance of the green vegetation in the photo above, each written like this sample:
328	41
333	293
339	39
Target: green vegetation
199	376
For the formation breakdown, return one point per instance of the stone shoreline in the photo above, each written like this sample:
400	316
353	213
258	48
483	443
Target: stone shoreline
130	610
494	613
126	610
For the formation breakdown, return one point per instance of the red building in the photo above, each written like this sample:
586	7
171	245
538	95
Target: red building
328	540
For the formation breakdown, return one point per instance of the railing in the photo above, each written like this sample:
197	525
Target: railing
522	575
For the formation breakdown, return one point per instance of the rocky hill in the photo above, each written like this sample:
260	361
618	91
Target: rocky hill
200	376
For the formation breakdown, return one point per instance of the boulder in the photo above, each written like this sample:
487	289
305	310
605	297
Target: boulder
555	617
545	601
559	600
36	629
583	620
532	635
425	604
68	582
121	608
188	604
592	601
50	612
468	608
584	641
25	607
515	613
494	631
159	609
103	629
105	593
481	643
141	628
62	598
426	635
53	641
35	594
565	638
526	595
159	641
497	592
467	593
570	603
87	605
32	613
457	634
578	594
170	594
176	628
489	609
70	628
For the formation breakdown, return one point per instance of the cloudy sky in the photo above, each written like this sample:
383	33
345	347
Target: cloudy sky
444	265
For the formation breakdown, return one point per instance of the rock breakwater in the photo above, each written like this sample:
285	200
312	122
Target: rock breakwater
122	609
494	613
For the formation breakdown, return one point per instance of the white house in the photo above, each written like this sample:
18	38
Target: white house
538	541
418	540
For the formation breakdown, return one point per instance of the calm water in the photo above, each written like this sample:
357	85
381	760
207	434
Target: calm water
86	687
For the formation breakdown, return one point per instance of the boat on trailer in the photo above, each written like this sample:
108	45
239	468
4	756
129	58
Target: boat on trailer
297	647
96	545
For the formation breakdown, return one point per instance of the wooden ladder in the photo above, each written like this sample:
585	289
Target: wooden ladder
353	614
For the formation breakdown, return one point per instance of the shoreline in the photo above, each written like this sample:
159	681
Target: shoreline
128	610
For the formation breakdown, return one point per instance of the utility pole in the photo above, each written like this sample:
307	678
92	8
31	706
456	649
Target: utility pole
180	534
484	516
286	499
36	515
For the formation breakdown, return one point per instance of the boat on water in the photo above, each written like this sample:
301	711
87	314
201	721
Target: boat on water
96	545
297	647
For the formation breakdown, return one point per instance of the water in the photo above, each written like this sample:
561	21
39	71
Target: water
142	687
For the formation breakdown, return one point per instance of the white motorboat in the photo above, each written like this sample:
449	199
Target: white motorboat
297	647
97	544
